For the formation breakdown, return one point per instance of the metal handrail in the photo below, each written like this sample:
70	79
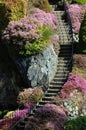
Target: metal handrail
70	23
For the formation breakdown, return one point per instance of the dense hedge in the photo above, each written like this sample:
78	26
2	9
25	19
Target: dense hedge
11	11
81	47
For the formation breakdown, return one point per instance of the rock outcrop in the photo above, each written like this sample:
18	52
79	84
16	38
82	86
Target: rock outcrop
38	69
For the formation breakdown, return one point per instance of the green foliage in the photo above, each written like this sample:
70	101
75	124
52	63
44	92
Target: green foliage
39	44
77	1
41	4
81	47
76	124
11	10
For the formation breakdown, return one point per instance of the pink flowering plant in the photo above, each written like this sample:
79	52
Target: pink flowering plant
10	119
48	117
74	82
76	13
31	34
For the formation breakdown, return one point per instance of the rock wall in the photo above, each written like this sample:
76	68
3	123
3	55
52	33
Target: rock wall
39	69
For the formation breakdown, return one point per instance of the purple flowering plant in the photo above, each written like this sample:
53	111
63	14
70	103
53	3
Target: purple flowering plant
50	117
30	34
74	82
76	13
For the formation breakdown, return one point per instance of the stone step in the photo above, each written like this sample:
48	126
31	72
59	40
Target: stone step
69	51
60	79
63	48
62	61
61	75
66	46
55	86
47	98
64	58
52	90
62	64
43	102
57	82
65	55
50	94
38	106
62	71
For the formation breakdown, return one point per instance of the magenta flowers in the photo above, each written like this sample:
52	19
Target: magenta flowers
76	13
74	82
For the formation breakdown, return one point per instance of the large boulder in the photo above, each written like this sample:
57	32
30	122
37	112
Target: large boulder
38	69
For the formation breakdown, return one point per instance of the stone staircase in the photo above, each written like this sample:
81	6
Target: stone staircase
64	61
63	67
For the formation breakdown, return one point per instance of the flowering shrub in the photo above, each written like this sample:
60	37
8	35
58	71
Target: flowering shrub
29	95
79	65
74	82
75	103
50	117
11	10
76	13
42	18
7	122
31	34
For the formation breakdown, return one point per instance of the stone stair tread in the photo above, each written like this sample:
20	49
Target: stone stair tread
43	102
50	94
55	85
63	80
53	89
46	98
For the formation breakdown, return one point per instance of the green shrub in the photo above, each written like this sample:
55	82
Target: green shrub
77	1
41	4
81	46
11	11
39	44
76	124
